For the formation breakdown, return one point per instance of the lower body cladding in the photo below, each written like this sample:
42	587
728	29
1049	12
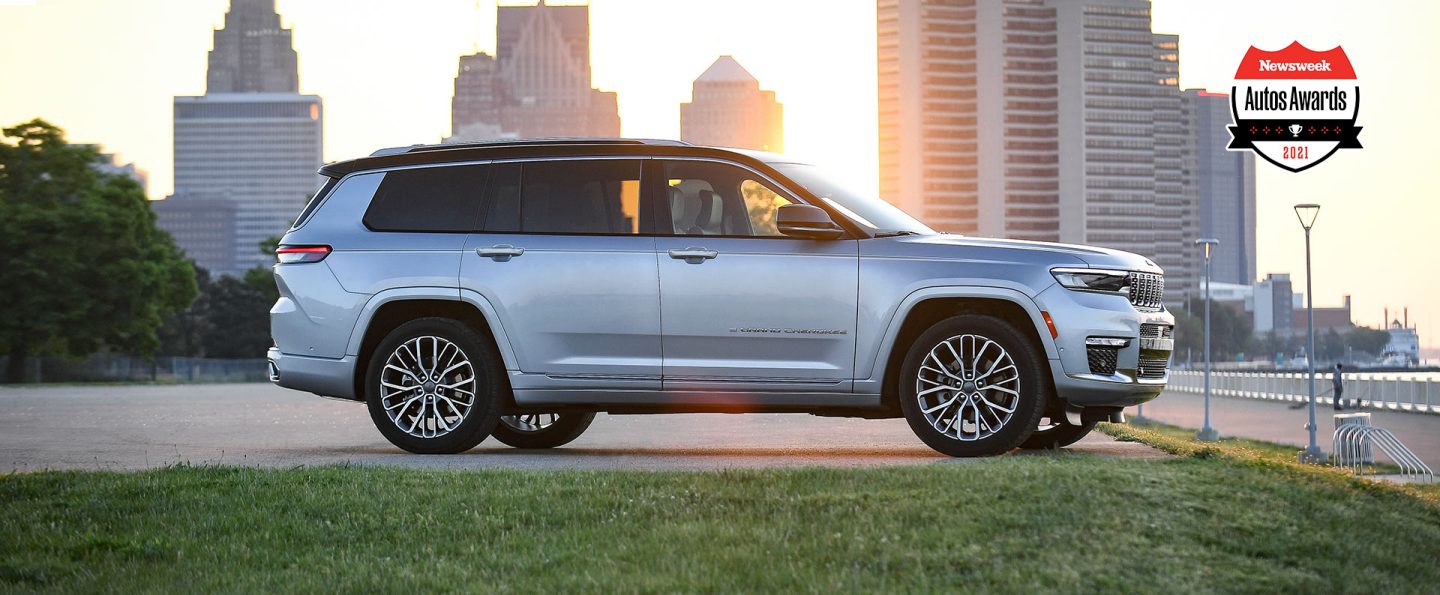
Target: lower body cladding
323	376
1111	355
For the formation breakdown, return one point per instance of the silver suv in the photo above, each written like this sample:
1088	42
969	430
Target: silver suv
514	289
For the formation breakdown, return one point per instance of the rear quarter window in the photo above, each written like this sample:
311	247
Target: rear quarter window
428	199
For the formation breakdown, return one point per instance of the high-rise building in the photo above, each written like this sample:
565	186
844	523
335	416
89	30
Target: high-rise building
475	107
260	150
537	84
251	139
252	52
1225	183
729	109
1053	120
204	227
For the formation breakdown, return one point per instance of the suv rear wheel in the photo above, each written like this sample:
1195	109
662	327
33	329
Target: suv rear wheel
434	386
542	430
972	386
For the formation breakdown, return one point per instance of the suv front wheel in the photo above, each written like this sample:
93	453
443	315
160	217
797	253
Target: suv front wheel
972	386
434	386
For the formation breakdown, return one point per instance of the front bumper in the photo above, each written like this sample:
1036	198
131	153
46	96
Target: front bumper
1081	315
323	376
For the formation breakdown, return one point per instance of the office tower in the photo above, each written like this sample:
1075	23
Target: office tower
251	139
1054	120
1225	183
252	52
475	107
204	227
538	84
728	109
260	150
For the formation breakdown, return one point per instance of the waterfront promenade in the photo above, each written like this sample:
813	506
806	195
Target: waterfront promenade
1276	421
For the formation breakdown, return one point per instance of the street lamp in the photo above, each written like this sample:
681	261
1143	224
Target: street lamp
1207	433
1307	213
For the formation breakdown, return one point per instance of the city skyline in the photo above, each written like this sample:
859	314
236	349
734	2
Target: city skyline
1390	220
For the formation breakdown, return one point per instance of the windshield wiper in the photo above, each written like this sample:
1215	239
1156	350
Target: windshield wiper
896	233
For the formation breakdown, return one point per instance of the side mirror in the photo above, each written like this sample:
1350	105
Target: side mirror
806	221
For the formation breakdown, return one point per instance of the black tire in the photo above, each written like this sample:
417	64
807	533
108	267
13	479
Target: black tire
475	424
1057	435
1029	382
566	427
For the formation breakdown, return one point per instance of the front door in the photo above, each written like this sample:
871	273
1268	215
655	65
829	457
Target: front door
742	307
561	258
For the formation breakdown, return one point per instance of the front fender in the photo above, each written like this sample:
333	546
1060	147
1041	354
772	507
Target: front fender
878	359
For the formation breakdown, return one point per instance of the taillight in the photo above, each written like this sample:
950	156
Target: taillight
294	254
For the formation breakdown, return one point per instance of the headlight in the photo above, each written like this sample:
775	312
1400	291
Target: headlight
1103	280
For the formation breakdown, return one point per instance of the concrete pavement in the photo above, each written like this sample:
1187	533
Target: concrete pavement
141	427
1275	421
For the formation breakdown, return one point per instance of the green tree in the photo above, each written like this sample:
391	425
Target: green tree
1229	331
84	268
239	319
1367	340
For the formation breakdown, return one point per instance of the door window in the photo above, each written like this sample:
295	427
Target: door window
715	199
566	197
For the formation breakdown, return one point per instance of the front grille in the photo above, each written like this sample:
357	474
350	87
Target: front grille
1152	367
1147	290
1157	331
1102	359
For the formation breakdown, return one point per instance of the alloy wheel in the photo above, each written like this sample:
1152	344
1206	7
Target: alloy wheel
428	386
968	387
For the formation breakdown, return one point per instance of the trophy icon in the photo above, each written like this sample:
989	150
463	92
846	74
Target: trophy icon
1295	130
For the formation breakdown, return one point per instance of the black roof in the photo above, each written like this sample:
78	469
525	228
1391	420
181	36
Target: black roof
520	148
572	147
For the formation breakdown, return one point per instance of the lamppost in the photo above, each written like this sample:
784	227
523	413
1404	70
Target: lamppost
1307	213
1207	433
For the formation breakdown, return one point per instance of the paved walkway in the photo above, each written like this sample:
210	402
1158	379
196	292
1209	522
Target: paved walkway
1276	422
139	427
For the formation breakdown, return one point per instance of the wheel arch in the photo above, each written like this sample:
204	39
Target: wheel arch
388	310
925	307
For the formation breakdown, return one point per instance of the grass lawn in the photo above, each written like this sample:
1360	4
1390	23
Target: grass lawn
1018	523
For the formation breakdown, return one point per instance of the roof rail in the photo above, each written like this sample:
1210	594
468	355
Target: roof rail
530	142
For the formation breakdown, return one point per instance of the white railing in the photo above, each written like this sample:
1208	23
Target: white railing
1419	395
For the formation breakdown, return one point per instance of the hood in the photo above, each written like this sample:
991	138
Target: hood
956	246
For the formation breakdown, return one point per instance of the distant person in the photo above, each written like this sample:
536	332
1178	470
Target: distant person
1339	385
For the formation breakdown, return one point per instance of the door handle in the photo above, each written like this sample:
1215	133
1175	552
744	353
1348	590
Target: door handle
694	254
500	252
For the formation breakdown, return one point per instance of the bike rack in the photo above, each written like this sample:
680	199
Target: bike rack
1351	443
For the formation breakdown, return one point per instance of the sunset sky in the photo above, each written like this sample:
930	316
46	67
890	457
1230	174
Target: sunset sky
106	71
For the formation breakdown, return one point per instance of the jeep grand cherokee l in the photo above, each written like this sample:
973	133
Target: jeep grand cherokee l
514	289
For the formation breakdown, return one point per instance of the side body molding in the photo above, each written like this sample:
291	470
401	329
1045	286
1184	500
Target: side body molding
502	340
878	357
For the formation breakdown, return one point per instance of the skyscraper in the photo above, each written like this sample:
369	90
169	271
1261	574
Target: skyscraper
537	84
1225	183
252	52
1054	120
250	140
729	109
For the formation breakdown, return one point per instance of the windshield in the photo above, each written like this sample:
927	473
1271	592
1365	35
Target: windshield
866	210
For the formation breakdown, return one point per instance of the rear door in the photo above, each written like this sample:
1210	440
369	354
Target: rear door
566	258
744	308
